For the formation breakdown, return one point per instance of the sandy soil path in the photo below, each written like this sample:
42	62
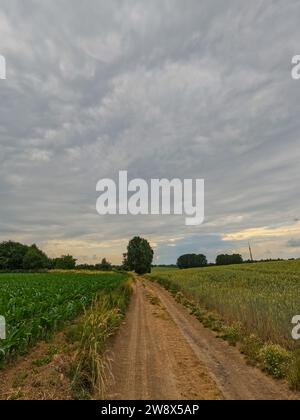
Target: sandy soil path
153	360
162	352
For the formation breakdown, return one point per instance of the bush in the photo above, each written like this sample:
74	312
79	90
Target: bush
12	255
35	259
66	262
191	261
229	259
275	360
251	347
232	334
104	266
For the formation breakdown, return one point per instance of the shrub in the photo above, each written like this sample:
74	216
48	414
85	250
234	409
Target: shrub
232	334
66	262
12	255
35	259
251	348
191	261
105	265
275	360
229	259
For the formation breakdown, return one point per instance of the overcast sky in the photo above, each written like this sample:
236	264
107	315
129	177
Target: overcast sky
161	88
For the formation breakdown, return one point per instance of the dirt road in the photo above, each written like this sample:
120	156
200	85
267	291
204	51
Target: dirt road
162	352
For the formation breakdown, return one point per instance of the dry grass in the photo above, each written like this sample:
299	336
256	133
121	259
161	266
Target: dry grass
90	365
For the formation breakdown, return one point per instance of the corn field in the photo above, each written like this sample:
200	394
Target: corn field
36	305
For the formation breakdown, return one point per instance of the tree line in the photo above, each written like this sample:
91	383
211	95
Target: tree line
197	261
15	256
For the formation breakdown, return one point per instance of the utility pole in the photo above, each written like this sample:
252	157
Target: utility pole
251	255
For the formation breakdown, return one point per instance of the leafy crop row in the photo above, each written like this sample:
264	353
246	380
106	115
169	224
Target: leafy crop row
36	305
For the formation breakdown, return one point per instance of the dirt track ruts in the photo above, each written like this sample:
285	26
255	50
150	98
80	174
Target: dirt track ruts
163	353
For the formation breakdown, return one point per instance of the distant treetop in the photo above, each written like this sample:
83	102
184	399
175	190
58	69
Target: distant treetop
191	261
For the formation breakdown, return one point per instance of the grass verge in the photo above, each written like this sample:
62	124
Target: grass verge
89	367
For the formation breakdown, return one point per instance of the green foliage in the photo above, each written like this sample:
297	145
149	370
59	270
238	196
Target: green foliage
12	255
18	257
139	256
104	266
251	347
191	261
125	264
275	360
100	323
36	305
232	334
35	259
229	259
66	262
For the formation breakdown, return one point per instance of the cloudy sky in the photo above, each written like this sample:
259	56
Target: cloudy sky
161	88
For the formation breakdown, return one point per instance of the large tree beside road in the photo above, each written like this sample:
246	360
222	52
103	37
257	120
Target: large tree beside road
139	256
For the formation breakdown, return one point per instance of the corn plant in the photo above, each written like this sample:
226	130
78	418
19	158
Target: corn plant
36	305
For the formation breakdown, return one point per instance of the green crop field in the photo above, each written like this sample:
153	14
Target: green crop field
36	305
262	297
248	305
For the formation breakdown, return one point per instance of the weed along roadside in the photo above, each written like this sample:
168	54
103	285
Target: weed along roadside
90	365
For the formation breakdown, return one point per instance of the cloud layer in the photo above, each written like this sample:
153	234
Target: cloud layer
161	89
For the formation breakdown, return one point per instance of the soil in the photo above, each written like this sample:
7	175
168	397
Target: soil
41	375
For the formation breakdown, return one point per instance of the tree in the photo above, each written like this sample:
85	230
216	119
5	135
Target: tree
105	265
191	261
139	256
35	259
125	265
225	259
12	255
66	262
